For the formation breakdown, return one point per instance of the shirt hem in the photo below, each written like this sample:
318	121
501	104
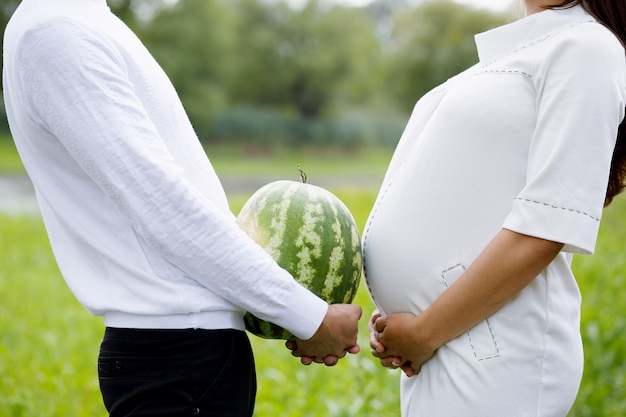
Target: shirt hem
208	320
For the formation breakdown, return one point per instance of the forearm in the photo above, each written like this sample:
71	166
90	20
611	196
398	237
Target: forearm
506	266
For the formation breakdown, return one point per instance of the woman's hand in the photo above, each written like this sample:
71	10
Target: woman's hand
398	342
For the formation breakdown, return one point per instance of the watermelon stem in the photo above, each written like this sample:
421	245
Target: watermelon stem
302	174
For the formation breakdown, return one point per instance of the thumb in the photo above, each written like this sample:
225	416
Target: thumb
357	311
380	324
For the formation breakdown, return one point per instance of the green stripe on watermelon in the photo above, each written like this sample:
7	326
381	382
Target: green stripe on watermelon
311	234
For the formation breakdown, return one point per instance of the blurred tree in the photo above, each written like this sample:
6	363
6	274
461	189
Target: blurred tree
136	13
124	10
303	59
193	41
7	7
433	42
311	62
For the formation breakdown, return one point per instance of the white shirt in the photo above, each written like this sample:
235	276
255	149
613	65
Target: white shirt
523	141
137	218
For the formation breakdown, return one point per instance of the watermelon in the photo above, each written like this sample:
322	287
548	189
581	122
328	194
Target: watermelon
311	234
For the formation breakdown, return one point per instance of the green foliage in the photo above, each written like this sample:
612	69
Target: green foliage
268	127
222	55
433	42
193	41
303	60
311	73
602	279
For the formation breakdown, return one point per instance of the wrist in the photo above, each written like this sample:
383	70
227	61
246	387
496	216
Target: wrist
431	334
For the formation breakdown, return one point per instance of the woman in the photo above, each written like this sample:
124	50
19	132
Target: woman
500	176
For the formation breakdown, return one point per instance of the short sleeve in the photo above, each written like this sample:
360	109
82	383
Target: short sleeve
580	82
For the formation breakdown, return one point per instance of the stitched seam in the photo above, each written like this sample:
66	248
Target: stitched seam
539	40
559	208
443	273
525	74
365	234
495	343
469	336
528	45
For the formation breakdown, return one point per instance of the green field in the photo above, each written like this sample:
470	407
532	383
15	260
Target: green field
49	343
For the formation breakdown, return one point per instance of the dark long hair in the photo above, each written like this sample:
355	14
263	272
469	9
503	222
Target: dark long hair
612	14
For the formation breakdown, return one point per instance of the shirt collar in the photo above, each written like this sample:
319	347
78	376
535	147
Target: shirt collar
505	39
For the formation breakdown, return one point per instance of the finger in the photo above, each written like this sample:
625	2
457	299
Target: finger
375	314
341	355
380	324
354	349
409	370
291	345
392	362
306	360
331	360
375	343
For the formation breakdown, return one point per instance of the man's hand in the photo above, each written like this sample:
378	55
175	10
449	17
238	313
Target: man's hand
336	336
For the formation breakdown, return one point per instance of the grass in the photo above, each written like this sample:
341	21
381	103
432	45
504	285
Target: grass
237	161
49	343
251	161
602	280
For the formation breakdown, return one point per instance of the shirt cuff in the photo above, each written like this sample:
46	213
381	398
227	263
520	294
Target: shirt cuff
304	313
576	229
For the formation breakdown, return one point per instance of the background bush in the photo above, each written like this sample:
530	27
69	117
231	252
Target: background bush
267	127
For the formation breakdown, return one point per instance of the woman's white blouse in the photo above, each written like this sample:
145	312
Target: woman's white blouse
523	141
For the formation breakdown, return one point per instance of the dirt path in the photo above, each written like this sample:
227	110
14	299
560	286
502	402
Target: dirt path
17	195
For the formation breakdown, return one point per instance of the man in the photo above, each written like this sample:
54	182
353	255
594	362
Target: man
139	223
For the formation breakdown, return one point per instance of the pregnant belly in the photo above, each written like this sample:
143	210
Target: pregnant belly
400	278
426	227
407	257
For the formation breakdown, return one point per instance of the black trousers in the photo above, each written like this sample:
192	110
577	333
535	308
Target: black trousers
186	372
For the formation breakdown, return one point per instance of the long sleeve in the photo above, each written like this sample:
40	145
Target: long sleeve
89	103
